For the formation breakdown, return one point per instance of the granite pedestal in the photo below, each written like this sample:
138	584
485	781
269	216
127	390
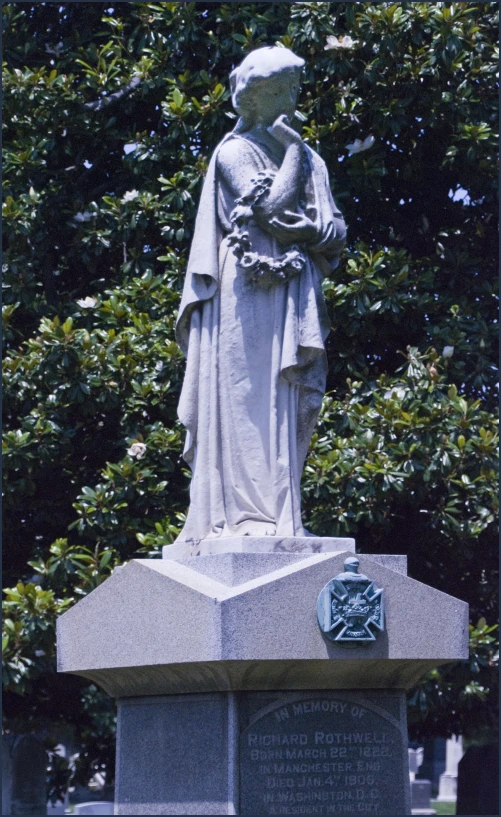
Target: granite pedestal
232	701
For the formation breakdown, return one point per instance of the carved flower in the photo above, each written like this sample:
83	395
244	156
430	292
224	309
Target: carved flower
241	213
294	261
358	146
250	260
267	264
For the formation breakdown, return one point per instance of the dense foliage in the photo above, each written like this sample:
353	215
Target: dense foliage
111	113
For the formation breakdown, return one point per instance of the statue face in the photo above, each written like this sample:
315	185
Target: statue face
266	85
277	95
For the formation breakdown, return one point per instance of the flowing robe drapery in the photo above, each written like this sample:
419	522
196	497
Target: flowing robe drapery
256	364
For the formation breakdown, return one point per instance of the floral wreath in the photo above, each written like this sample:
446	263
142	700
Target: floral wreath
262	270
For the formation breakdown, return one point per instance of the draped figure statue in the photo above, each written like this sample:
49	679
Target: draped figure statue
252	320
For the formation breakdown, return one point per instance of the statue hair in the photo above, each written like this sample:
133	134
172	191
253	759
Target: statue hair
259	66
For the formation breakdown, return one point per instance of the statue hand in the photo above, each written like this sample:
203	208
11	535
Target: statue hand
283	133
297	229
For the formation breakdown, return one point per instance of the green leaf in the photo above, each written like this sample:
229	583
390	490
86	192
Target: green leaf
105	558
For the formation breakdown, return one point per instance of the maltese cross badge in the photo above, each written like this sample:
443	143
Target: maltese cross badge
350	608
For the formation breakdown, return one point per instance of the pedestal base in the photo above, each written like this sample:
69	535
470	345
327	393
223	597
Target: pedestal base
308	752
190	644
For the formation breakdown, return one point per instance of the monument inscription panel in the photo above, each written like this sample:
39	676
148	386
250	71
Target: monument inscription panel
323	754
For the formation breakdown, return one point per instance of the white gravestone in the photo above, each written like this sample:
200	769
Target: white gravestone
447	786
415	761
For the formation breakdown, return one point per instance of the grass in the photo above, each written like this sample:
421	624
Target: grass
443	808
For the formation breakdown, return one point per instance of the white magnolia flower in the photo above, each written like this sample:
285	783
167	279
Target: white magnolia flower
87	303
339	42
85	216
395	394
358	146
130	195
447	351
137	450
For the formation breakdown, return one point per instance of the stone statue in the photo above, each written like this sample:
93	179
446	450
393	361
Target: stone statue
252	321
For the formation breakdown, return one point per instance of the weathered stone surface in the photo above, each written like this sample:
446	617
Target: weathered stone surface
323	753
254	675
159	626
173	755
263	753
235	568
258	544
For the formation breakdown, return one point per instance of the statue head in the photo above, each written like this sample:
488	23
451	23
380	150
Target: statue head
351	564
265	85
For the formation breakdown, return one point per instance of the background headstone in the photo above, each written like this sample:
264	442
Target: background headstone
447	791
420	789
415	761
478	781
6	776
433	764
420	797
29	786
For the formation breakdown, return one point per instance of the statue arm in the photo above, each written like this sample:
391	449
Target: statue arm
276	211
236	165
283	196
285	190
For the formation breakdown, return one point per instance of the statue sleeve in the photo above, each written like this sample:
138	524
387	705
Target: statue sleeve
330	223
202	273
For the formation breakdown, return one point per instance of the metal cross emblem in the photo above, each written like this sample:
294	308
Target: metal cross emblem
349	605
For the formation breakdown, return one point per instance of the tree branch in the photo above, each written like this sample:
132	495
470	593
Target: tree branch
99	104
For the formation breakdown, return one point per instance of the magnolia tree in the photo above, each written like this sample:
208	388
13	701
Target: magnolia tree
111	113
